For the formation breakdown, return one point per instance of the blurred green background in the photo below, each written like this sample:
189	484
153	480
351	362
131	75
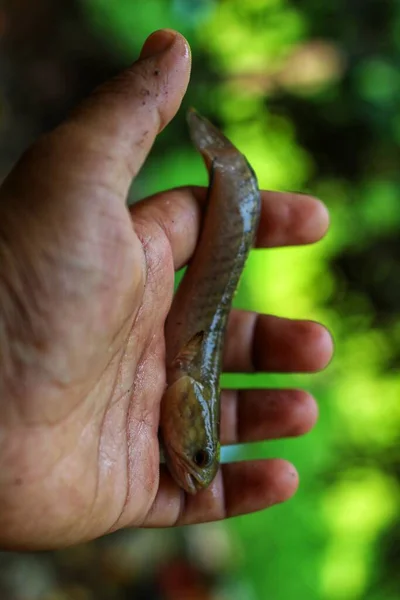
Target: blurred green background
310	92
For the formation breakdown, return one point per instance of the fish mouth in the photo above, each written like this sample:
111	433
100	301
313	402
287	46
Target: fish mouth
184	474
190	484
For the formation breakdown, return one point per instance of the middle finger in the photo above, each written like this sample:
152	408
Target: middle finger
265	343
258	415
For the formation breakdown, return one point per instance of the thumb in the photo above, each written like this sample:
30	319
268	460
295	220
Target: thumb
106	139
123	116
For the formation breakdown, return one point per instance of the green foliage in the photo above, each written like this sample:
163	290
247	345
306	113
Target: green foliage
251	35
125	24
378	81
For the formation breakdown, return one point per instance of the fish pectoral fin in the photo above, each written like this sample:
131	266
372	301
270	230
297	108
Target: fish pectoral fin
185	360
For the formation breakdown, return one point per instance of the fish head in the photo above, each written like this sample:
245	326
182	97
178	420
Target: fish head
189	430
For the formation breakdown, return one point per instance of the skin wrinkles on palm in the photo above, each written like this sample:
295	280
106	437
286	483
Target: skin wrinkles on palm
95	467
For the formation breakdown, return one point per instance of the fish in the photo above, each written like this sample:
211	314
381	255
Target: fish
196	324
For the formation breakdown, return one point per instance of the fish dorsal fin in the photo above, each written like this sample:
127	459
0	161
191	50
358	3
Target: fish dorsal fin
185	360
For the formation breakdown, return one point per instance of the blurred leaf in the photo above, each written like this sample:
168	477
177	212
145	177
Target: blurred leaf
126	24
194	11
378	81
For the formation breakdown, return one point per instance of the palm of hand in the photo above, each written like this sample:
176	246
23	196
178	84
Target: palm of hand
89	424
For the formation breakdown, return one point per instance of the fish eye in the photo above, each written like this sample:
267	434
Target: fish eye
202	458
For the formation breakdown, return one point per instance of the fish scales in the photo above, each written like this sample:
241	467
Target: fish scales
196	324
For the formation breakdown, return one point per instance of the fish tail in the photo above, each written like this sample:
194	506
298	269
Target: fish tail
208	140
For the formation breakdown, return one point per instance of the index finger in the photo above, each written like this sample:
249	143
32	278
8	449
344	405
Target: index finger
287	219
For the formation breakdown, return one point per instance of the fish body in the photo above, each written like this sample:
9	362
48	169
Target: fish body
196	324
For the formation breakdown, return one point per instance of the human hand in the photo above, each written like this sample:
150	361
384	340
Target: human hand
85	287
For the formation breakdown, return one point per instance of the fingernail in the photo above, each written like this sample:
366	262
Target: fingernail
157	42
